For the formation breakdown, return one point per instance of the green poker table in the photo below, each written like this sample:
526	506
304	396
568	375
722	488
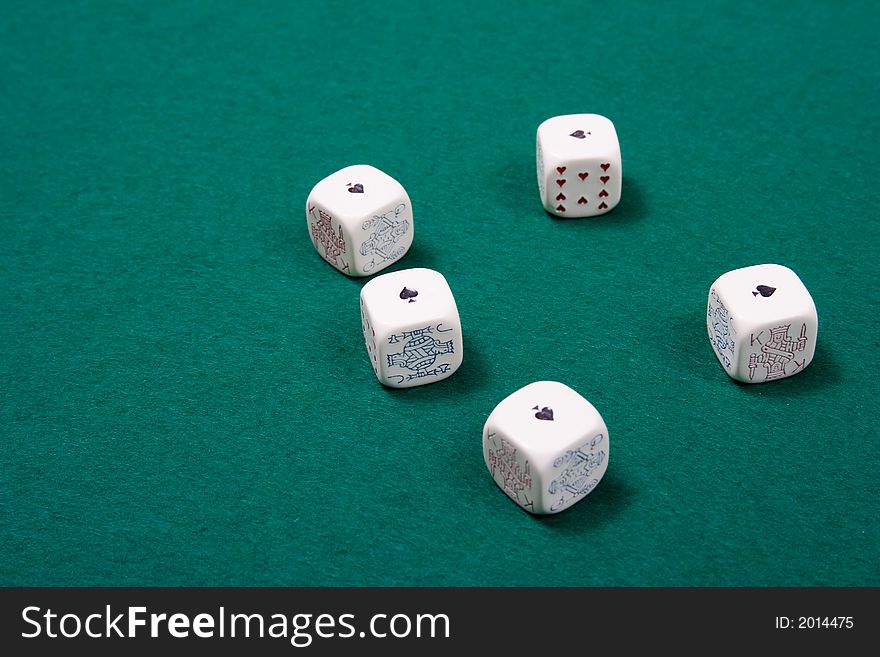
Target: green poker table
187	397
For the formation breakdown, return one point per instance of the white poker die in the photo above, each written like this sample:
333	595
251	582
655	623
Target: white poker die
360	220
411	327
762	323
579	167
546	447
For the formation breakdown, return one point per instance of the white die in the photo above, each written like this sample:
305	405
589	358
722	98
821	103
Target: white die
411	327
762	323
546	446
360	220
579	166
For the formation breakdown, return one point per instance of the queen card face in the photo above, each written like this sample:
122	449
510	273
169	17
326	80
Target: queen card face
579	165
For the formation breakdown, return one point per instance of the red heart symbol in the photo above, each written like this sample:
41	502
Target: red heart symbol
605	166
603	193
582	201
560	207
560	196
560	182
604	179
602	205
583	176
561	170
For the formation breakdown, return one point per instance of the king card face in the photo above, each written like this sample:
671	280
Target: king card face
779	351
762	323
328	237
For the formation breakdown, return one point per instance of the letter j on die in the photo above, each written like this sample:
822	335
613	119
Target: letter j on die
411	327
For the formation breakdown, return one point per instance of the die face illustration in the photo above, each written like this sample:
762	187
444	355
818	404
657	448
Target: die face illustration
385	236
546	447
360	220
762	323
512	469
411	328
579	165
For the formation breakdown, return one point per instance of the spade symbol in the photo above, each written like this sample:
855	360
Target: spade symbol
579	134
406	293
357	188
764	290
544	414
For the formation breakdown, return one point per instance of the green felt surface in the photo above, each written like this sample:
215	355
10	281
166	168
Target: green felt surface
186	394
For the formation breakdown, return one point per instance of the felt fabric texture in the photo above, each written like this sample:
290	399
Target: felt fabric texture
187	399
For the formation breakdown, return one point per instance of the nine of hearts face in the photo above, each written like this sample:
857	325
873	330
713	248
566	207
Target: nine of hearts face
418	337
546	446
762	323
360	219
762	317
579	165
